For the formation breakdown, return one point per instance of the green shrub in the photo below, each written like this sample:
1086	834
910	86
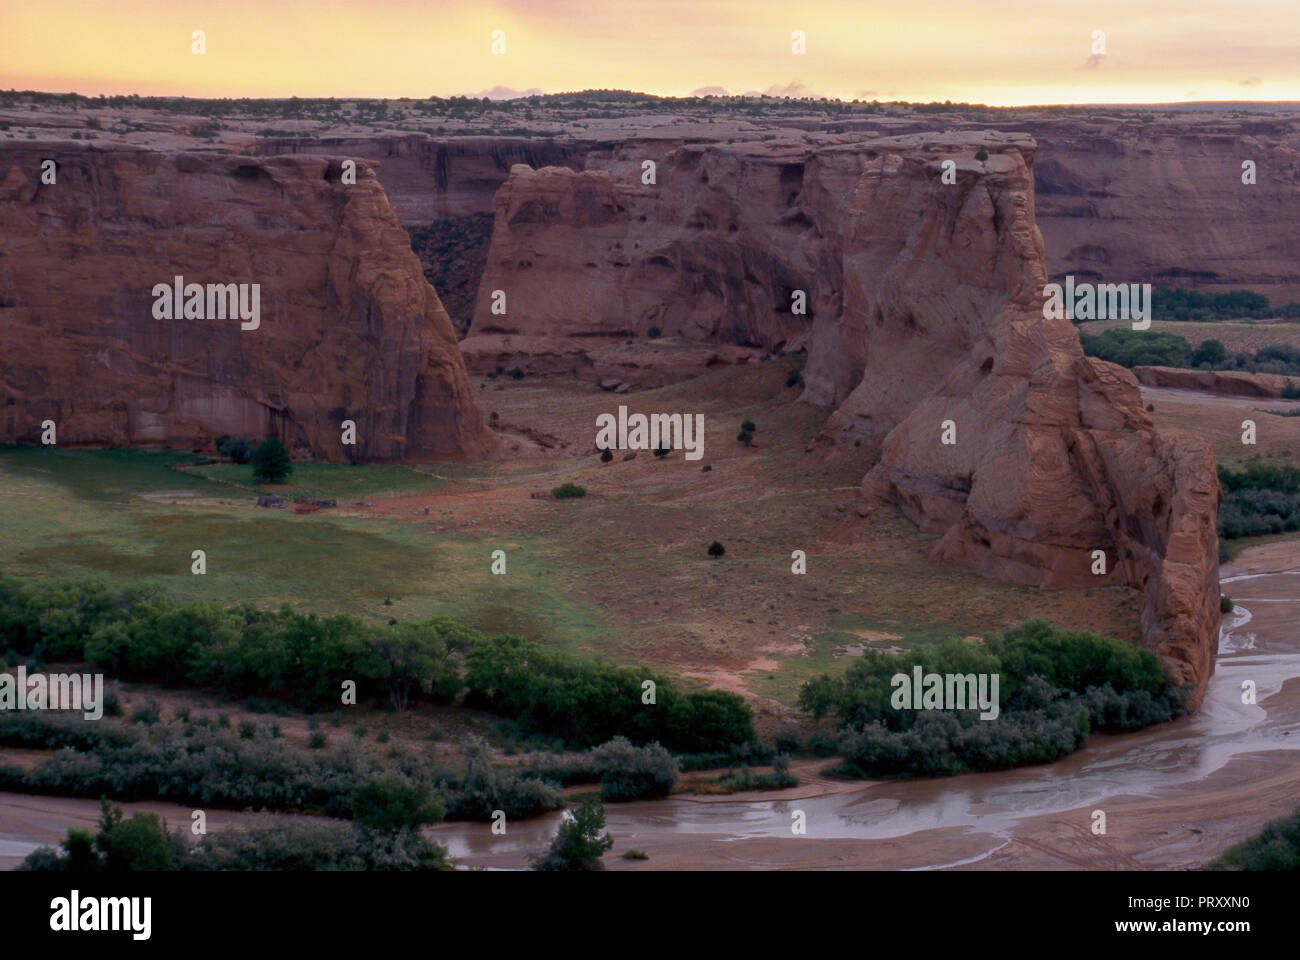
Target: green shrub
234	449
1225	603
1210	352
271	463
746	779
822	744
568	491
1274	848
1132	348
133	634
1055	686
628	772
391	804
486	790
148	713
716	549
579	843
787	739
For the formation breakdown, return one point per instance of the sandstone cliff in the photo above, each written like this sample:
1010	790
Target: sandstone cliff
1233	383
1163	201
429	179
348	327
923	306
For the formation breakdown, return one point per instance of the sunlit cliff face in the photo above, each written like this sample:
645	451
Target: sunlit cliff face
999	52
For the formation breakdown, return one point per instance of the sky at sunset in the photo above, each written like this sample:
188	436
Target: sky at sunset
995	51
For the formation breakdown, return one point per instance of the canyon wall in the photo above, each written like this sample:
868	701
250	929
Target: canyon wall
349	330
923	316
1157	200
429	179
1163	201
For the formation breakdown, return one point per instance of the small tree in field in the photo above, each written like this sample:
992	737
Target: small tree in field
578	844
271	463
716	549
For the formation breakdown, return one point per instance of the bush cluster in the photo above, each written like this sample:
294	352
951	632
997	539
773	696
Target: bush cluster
1259	498
1055	687
134	634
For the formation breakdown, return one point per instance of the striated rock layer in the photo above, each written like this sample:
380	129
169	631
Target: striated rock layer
349	330
428	179
924	314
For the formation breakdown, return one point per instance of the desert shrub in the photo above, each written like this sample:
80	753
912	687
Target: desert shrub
1225	603
787	739
747	778
821	743
629	772
391	804
486	789
568	491
1276	847
981	154
653	333
1055	686
147	713
234	449
141	843
716	549
606	455
145	843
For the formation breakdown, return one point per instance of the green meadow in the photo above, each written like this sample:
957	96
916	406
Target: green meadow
134	515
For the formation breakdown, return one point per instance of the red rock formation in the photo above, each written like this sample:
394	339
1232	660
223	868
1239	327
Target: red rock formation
1233	383
349	329
426	178
924	306
1054	456
1162	201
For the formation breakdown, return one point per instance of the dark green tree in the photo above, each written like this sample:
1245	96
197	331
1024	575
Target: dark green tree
271	463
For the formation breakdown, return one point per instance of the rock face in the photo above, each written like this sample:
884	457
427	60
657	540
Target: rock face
1234	383
1163	201
713	251
643	364
428	179
1051	455
348	328
923	313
